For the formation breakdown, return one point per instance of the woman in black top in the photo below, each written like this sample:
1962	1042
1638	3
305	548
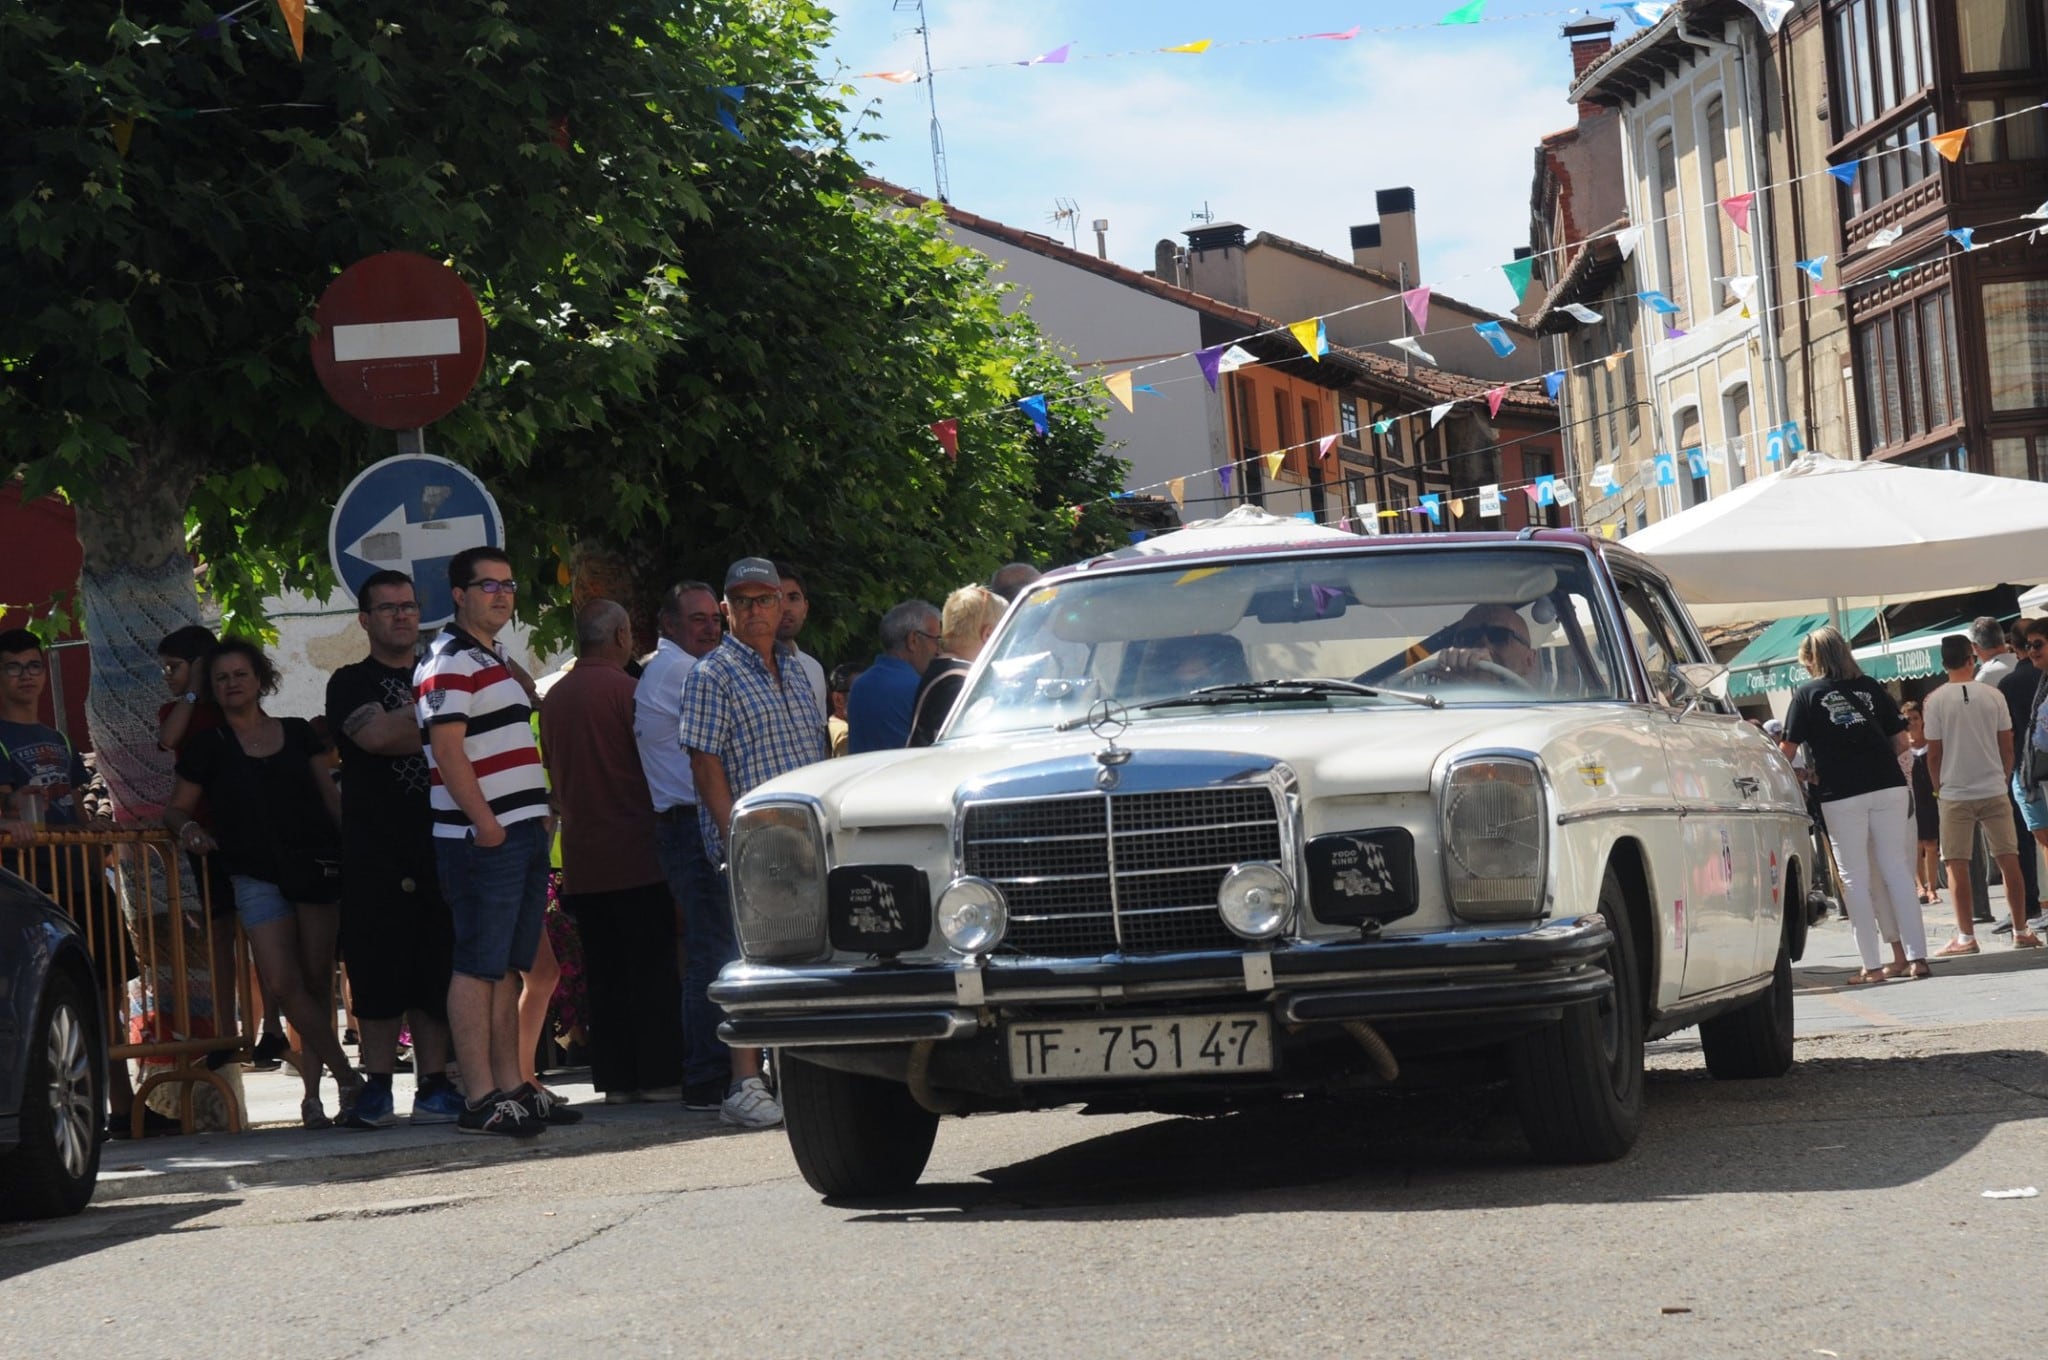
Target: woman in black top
1926	812
1855	734
970	615
277	825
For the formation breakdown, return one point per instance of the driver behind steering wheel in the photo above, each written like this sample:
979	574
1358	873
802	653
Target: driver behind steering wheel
1489	633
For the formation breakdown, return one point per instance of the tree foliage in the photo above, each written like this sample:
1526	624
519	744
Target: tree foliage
702	344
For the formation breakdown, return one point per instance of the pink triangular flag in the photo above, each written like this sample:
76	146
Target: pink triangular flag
1323	449
1737	208
947	432
1346	36
1493	400
1417	302
1535	493
1052	58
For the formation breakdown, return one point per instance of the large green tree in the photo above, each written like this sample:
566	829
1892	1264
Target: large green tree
705	341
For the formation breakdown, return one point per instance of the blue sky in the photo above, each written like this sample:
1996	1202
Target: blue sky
1287	137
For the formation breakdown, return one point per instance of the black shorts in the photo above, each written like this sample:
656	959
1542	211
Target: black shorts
397	939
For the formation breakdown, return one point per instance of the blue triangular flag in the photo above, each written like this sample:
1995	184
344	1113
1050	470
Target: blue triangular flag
1553	381
1223	477
1696	463
1138	535
1035	407
1496	338
1812	268
1148	389
1657	302
1308	515
736	93
1846	173
1432	505
1546	489
1667	470
1963	236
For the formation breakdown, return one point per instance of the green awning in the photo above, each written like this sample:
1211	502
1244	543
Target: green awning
1771	660
1909	657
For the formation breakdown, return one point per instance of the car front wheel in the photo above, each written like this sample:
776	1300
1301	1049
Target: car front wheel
854	1136
1755	1040
1578	1083
53	1170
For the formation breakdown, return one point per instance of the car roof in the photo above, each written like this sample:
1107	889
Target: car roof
1614	554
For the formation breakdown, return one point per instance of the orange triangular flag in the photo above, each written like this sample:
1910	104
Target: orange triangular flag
294	12
1178	487
1457	509
1949	144
1273	462
1613	361
1119	385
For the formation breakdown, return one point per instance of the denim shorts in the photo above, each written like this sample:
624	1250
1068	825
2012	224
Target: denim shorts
498	897
259	902
2033	804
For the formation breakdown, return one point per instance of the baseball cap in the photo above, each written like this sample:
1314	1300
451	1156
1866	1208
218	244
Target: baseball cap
1773	727
752	571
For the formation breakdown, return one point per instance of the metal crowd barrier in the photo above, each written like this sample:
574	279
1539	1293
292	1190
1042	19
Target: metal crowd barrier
142	906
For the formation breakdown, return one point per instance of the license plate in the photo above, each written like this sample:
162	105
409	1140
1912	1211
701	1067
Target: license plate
1149	1046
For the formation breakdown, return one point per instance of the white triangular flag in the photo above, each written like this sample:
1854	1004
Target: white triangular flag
1889	236
1603	477
1369	515
1743	286
1578	311
1627	239
1770	13
1439	411
1234	358
1562	493
2039	214
1489	500
1408	346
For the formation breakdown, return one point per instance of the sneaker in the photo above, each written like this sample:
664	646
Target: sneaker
704	1097
750	1106
442	1105
498	1113
371	1108
546	1106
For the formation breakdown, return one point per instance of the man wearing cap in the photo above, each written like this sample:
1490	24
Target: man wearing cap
748	714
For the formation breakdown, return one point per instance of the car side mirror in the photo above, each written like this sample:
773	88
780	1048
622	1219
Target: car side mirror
1693	683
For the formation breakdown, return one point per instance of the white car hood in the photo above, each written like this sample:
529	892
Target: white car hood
1338	750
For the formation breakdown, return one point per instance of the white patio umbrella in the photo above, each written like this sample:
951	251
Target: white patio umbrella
1826	534
1247	526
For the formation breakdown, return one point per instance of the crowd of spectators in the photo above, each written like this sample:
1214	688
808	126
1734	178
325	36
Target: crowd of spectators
417	830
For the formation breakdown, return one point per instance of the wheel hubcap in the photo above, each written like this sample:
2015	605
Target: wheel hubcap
71	1091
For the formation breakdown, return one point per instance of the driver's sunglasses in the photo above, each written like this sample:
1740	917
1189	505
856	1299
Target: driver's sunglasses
1494	634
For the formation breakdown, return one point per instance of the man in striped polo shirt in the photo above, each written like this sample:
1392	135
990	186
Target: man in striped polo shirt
491	831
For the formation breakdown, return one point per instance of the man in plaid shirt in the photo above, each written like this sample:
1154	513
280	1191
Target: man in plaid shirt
749	714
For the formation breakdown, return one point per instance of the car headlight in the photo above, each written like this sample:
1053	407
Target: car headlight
973	915
1493	839
777	857
1256	900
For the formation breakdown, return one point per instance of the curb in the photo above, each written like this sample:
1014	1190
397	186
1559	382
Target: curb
225	1163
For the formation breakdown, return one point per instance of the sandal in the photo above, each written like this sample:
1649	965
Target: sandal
1956	948
2025	939
1918	969
1894	970
1867	976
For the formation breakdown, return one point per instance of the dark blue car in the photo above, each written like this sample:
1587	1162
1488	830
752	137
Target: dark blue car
53	1059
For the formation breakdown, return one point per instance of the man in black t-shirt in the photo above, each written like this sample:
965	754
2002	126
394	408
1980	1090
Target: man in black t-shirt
2018	686
396	935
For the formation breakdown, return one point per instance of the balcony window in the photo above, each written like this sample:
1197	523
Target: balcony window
2016	343
1883	57
1904	368
1995	35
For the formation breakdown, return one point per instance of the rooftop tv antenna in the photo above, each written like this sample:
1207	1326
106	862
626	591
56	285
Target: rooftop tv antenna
1202	214
924	33
1066	212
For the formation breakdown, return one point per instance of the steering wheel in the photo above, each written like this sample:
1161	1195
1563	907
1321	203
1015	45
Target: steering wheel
1430	671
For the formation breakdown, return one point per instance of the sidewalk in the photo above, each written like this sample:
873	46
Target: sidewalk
277	1150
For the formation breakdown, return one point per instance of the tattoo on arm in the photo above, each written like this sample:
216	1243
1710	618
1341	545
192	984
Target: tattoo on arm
361	718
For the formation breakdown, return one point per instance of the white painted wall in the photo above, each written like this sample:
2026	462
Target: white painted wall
1110	326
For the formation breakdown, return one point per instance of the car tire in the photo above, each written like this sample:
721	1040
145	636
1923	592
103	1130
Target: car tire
854	1136
53	1169
1578	1083
1754	1040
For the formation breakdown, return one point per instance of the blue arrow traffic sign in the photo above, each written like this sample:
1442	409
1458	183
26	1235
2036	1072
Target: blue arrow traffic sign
412	513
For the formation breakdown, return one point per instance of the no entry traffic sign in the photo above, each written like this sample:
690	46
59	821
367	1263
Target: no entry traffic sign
401	340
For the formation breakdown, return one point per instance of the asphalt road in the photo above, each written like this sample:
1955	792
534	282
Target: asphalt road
1838	1211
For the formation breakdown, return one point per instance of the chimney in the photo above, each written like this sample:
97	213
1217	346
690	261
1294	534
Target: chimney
1390	243
1215	262
1590	39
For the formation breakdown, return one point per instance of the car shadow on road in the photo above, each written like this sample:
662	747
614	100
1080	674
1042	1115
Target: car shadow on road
1835	1123
26	1247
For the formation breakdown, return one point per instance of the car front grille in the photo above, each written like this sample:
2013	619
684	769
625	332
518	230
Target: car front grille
1135	873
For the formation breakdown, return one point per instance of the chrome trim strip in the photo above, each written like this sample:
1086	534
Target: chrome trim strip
1759	983
1116	906
1623	810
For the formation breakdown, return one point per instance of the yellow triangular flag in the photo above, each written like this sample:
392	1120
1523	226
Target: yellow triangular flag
1178	488
294	12
1273	462
1309	335
124	133
1950	144
1119	385
1202	45
1607	531
1457	509
1613	361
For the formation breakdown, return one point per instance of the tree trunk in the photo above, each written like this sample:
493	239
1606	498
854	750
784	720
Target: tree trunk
136	586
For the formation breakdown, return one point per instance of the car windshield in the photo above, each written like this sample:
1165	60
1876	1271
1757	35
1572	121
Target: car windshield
1466	625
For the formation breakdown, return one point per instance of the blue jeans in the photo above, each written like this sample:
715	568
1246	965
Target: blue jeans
708	942
2033	805
498	897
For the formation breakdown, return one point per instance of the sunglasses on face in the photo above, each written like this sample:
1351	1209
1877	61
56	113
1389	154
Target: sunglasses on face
1490	634
2035	644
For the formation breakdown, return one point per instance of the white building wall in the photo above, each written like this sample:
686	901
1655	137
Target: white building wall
1111	327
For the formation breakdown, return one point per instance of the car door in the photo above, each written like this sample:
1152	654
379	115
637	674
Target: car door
1717	901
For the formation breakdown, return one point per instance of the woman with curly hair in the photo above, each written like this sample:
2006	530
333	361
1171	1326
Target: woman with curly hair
277	825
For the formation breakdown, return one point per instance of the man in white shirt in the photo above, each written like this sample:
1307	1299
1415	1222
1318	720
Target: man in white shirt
689	629
1969	761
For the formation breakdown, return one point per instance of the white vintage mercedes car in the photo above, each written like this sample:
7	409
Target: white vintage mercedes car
1213	825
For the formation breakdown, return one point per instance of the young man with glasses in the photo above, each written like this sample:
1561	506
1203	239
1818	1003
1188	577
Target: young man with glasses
397	937
748	715
880	704
492	827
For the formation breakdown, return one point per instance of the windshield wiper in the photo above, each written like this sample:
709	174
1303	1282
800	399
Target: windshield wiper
1308	687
